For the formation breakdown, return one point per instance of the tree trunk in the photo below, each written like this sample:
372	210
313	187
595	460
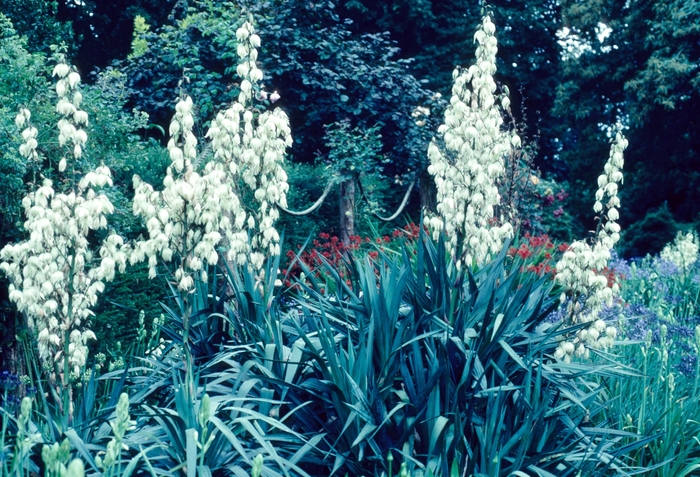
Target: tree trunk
426	190
347	210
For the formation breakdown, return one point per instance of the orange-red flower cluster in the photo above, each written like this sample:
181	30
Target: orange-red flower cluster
538	252
331	249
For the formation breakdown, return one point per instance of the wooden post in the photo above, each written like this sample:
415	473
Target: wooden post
347	210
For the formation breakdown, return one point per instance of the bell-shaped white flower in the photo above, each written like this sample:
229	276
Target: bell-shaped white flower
472	161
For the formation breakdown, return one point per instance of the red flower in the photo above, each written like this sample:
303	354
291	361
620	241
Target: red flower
524	252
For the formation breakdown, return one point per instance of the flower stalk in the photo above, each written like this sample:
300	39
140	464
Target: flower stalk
472	161
586	288
55	276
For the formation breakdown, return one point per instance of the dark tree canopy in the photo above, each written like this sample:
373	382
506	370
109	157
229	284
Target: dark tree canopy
372	62
644	75
105	28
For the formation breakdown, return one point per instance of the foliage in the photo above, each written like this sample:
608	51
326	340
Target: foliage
658	322
643	76
353	152
104	29
327	75
413	359
38	22
650	234
196	45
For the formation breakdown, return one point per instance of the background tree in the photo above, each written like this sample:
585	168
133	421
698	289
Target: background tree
38	21
644	75
324	74
436	34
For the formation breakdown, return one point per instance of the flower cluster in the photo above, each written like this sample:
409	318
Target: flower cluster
120	425
28	147
194	212
683	252
581	270
55	275
467	170
330	249
538	253
250	146
185	219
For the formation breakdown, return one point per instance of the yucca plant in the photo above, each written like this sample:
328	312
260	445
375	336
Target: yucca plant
419	359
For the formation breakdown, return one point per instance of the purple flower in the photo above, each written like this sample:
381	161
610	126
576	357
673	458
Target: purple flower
639	320
666	268
8	380
619	265
686	365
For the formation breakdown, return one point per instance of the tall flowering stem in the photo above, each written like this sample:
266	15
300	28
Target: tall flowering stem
188	220
682	252
580	270
250	146
184	220
55	276
472	161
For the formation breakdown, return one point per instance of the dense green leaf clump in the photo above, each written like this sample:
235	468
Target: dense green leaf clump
413	358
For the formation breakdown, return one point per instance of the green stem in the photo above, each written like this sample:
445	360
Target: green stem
697	374
2	436
642	409
65	388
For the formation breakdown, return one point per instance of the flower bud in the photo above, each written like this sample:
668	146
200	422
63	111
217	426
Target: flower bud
489	27
19	120
242	33
61	70
73	79
61	88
